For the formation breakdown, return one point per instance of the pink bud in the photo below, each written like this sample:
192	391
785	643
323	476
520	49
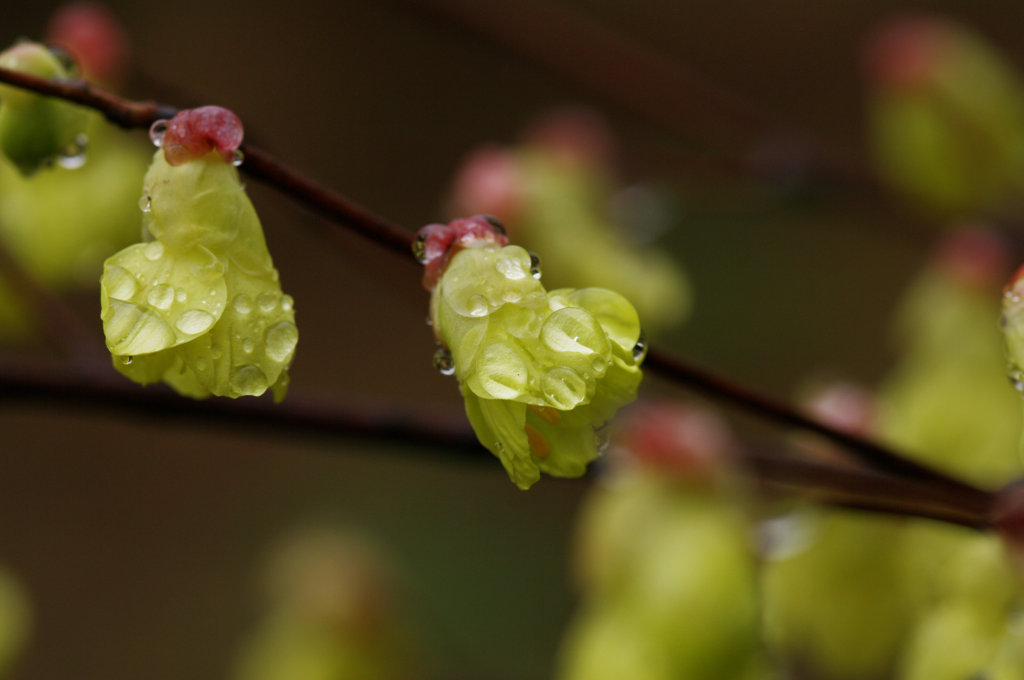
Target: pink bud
91	34
435	244
193	133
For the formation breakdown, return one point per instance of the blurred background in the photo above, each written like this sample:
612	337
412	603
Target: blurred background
142	544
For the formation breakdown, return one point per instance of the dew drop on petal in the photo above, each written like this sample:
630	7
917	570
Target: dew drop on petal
1016	377
161	296
599	366
267	302
510	267
496	225
156	132
145	203
237	157
564	388
126	360
72	157
511	295
194	321
534	266
443	361
242	304
120	283
248	346
280	340
477	305
216	352
153	251
287	303
640	348
249	380
180	295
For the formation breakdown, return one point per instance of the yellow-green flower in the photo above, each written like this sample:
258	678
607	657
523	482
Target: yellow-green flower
36	130
540	371
198	306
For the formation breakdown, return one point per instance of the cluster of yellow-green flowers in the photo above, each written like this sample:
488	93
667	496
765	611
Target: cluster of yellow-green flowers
540	370
35	131
198	304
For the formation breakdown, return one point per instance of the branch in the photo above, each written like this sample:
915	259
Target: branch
869	452
261	165
258	163
22	385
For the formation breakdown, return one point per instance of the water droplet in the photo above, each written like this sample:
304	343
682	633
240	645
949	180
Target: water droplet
72	156
477	305
602	436
249	380
499	447
443	361
511	295
640	348
267	302
126	360
216	352
563	388
501	372
1016	377
287	302
153	251
120	283
194	321
785	536
510	267
145	203
419	248
242	304
64	58
280	341
156	132
248	346
496	224
161	296
599	365
534	266
237	158
572	329
180	295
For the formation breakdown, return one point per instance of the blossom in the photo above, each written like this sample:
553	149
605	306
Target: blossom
199	304
540	371
36	130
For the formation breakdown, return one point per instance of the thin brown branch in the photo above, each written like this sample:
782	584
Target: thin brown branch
869	491
364	222
64	330
258	163
23	385
866	451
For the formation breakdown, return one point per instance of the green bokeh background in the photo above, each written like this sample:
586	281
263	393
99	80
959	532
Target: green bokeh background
140	540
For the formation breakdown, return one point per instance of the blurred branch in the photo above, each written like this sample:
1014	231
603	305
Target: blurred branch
22	385
64	330
868	491
261	165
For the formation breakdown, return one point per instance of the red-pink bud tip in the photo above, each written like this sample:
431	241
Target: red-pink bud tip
976	258
193	133
906	53
93	36
1008	520
685	441
489	182
575	136
435	244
